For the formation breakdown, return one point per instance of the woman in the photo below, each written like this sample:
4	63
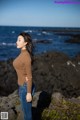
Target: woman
22	65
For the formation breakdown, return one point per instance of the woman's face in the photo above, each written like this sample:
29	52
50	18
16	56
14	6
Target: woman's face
20	42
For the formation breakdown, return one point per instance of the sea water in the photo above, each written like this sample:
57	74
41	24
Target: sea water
44	39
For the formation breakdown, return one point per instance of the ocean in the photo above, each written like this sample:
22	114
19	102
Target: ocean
44	39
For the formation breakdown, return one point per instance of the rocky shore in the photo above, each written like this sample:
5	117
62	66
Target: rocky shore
44	106
53	72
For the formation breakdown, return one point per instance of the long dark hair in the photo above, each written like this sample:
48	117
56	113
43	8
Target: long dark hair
28	39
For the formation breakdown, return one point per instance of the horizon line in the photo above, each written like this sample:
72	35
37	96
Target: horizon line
38	26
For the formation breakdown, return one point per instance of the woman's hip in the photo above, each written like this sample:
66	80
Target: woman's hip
22	89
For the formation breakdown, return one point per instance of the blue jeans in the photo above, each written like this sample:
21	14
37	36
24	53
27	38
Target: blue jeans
26	106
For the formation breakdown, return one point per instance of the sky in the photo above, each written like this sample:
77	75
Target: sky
48	13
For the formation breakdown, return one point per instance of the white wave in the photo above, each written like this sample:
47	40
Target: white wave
30	31
46	33
13	32
3	43
7	44
11	44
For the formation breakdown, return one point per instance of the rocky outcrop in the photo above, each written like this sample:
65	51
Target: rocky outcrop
52	72
12	105
75	39
8	78
42	103
61	108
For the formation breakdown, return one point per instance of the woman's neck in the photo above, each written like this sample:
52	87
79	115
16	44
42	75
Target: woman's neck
23	48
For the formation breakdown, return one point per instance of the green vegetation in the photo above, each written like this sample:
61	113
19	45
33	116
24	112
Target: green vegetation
65	110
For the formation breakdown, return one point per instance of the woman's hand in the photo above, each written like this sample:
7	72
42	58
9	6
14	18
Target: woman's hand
29	97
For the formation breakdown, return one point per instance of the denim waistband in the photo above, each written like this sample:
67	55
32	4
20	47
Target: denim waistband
24	86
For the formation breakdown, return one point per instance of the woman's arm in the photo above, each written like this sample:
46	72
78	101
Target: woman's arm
28	76
28	73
